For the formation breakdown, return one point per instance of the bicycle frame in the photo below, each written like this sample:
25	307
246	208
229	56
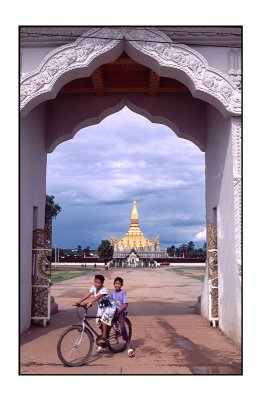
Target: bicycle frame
75	344
85	325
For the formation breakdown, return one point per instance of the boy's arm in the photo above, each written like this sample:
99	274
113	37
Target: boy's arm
84	298
121	310
89	304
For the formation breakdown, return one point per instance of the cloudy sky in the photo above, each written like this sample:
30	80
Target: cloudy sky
96	176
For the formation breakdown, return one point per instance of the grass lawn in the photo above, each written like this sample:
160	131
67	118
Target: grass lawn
194	272
65	274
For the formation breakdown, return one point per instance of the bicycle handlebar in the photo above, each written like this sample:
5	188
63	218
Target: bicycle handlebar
80	305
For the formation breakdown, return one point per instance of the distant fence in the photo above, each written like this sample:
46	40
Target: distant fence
95	260
180	260
77	259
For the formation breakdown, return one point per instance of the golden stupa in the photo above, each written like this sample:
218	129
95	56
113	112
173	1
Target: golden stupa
134	238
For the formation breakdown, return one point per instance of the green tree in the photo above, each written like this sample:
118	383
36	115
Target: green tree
171	251
201	252
182	250
105	251
191	249
79	250
87	251
52	209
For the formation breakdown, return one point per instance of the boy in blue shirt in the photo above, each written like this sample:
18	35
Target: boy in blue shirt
120	299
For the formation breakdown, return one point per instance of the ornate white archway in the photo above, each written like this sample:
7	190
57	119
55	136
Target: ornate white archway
79	117
150	47
156	51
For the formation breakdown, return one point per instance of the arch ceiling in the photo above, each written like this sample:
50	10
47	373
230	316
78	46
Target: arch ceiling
149	47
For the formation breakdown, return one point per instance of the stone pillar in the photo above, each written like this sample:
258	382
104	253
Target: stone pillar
236	154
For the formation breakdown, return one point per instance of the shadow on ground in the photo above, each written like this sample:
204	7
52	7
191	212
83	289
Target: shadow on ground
198	358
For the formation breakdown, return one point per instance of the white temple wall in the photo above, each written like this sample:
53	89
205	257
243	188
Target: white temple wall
217	57
182	113
220	210
30	57
32	194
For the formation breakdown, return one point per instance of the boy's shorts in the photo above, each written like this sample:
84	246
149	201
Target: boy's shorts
106	315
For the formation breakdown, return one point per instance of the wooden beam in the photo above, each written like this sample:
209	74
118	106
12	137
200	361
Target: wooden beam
154	80
125	89
97	81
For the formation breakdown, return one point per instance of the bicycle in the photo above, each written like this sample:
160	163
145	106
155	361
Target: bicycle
76	343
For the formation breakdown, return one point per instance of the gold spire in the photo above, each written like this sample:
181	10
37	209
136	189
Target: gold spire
134	216
134	238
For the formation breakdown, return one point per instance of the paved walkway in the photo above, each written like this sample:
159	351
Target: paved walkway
168	337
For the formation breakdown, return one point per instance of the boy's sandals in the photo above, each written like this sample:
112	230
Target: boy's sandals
100	349
130	352
102	342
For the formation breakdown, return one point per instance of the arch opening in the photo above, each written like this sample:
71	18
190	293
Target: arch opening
124	82
142	161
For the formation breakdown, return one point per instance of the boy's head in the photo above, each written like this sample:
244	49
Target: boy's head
98	281
118	283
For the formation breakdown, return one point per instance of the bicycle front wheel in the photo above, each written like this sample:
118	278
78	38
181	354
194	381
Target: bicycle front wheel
75	346
116	342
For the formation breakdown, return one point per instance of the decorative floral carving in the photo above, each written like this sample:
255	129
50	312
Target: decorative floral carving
44	265
211	236
213	266
226	91
211	81
39	238
40	281
39	302
236	78
236	152
41	273
85	49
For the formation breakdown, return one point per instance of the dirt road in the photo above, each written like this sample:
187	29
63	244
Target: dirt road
168	337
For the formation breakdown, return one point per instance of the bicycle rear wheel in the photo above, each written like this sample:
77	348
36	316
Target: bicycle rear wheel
75	346
116	343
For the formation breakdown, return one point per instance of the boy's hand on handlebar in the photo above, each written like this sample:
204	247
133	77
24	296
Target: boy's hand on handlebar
86	305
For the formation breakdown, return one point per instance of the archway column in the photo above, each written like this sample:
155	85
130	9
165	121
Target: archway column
237	173
229	237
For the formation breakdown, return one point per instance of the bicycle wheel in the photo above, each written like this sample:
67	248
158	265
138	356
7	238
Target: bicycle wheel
116	343
75	346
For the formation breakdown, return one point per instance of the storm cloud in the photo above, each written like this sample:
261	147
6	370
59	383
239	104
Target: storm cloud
96	176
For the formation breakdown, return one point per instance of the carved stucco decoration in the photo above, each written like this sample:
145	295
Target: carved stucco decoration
236	150
213	266
154	44
39	238
44	265
39	298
